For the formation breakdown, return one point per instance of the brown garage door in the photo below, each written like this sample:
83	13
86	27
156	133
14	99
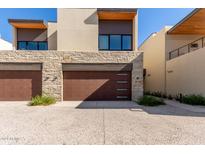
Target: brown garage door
19	85
94	85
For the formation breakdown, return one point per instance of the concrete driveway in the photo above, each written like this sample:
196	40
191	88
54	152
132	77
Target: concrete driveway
99	123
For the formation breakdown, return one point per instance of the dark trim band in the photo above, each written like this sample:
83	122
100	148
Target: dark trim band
97	67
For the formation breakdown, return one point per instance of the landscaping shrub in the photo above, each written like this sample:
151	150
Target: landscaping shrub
147	100
42	100
193	99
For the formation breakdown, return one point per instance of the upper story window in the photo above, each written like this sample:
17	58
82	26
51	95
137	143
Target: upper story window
103	42
115	35
115	42
31	39
127	42
122	42
32	45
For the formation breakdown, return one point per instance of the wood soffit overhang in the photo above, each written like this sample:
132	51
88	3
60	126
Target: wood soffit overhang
192	24
116	14
23	23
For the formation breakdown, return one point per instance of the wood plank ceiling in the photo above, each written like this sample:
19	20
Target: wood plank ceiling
103	15
193	24
37	24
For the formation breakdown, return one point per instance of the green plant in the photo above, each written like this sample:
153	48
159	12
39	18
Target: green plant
42	100
147	100
193	99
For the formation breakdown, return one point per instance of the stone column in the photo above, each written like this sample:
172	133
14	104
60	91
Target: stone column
137	77
52	78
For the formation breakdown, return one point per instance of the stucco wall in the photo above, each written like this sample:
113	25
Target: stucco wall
77	30
154	61
52	78
14	38
52	36
185	74
175	41
159	75
135	33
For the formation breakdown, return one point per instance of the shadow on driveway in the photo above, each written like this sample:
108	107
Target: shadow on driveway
107	105
134	107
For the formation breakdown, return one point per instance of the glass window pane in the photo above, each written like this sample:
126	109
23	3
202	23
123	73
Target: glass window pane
126	42
32	46
43	46
115	42
21	45
103	42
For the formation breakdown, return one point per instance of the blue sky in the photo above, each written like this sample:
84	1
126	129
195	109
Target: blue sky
150	20
153	20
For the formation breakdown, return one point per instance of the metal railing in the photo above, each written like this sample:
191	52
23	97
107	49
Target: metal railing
197	44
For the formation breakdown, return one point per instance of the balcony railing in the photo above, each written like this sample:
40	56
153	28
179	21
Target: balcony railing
200	43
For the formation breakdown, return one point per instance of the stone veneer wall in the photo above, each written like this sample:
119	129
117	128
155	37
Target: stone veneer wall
52	74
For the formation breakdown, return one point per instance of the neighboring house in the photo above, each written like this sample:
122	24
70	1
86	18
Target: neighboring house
4	45
174	57
88	54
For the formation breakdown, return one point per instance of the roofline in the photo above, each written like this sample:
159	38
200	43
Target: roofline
184	19
26	21
52	21
147	38
127	10
2	39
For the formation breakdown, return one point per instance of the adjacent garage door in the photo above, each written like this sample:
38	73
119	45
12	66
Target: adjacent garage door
19	85
97	85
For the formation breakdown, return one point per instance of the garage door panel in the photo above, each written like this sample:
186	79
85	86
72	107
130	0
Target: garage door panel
96	85
19	85
122	78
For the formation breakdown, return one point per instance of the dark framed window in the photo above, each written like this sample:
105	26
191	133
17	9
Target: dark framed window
115	42
32	45
43	46
126	42
104	42
22	45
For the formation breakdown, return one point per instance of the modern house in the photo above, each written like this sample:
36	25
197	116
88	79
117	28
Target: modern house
88	54
5	45
174	57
